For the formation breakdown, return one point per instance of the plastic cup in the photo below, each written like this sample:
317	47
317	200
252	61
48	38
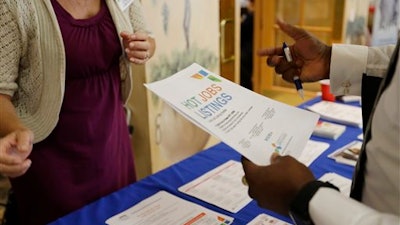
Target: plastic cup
326	91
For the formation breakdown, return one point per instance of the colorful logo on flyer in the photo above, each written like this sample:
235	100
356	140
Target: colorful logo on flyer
223	220
201	74
277	148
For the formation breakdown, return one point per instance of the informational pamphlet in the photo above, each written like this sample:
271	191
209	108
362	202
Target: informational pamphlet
222	187
338	112
347	154
264	219
250	123
341	182
164	208
329	130
312	151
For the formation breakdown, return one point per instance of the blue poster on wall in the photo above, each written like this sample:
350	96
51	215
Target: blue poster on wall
386	22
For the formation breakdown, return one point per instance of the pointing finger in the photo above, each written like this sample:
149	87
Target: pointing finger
292	31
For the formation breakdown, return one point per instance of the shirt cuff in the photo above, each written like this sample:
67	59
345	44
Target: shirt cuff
348	64
299	208
331	207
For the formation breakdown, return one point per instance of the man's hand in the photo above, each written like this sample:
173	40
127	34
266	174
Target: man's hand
275	186
311	57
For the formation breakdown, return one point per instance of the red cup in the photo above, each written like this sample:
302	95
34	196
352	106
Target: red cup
326	91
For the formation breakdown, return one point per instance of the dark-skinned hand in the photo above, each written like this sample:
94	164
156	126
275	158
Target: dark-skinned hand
311	57
275	186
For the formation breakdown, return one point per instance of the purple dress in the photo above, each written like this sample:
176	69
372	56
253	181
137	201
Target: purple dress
88	155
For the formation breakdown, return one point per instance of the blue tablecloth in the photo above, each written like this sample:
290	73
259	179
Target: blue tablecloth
180	173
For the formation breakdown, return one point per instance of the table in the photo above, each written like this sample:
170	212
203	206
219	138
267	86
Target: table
182	172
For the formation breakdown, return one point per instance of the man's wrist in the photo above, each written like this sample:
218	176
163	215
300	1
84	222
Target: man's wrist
299	206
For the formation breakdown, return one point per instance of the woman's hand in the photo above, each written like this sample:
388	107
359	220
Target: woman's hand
139	47
14	151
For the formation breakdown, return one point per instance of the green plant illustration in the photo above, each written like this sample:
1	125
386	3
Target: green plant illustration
168	65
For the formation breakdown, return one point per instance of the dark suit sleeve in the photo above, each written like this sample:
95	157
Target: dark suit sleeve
369	91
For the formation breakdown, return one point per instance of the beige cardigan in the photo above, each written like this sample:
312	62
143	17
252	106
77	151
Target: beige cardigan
32	59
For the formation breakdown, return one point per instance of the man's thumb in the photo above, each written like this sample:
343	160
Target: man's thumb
275	157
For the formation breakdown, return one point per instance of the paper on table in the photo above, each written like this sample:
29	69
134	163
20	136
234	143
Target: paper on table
328	130
341	182
221	187
264	219
312	150
347	154
337	112
163	208
250	123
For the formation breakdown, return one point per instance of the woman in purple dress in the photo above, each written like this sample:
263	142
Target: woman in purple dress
64	79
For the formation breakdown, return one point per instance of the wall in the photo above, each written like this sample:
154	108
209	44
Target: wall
386	23
186	31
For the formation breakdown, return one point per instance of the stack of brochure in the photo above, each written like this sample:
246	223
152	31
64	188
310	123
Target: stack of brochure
328	130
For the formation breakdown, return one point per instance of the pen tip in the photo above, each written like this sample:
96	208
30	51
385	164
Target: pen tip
301	93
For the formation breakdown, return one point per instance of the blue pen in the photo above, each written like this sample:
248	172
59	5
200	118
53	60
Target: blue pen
296	79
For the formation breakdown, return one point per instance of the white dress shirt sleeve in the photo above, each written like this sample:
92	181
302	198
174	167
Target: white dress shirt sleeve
329	206
348	64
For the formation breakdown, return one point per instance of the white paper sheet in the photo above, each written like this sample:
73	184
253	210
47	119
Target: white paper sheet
337	112
221	186
250	123
312	150
341	182
347	154
163	208
264	219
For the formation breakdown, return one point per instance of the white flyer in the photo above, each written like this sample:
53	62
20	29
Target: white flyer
264	219
221	187
338	112
312	151
164	208
250	123
347	154
341	182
